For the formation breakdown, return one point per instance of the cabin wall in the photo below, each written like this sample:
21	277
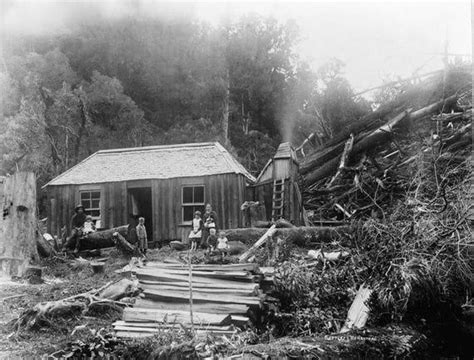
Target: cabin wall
224	192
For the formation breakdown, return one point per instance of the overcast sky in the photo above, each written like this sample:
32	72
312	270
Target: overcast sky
374	39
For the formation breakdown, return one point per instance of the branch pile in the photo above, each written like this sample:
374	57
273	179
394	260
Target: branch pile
365	169
93	301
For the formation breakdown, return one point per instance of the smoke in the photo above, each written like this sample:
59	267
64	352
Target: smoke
45	17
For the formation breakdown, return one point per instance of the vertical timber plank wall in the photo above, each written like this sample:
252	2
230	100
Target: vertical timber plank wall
155	211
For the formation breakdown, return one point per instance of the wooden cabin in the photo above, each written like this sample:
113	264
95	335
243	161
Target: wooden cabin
164	184
277	187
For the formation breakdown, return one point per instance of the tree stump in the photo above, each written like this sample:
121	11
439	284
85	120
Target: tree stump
97	267
33	274
18	223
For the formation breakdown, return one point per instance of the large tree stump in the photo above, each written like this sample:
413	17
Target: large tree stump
18	223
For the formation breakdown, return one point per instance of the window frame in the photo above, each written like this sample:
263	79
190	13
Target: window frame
90	209
192	204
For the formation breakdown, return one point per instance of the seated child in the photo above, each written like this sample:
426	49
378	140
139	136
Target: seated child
222	243
88	226
196	233
141	235
212	239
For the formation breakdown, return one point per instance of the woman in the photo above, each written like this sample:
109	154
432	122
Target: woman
210	222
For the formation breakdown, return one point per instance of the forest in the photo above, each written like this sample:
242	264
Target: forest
378	266
134	82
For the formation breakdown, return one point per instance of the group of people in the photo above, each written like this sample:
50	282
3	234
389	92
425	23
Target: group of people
204	232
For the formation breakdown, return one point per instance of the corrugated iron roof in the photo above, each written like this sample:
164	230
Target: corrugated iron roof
152	162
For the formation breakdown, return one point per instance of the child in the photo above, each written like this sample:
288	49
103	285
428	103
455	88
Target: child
88	226
196	232
141	235
212	240
222	243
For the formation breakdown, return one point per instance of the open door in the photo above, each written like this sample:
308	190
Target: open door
140	205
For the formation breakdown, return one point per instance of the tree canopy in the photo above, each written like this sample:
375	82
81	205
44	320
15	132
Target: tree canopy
136	82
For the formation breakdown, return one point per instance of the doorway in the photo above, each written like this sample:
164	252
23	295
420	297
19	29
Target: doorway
140	205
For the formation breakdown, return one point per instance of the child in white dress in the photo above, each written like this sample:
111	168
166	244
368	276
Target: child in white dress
88	226
222	243
196	233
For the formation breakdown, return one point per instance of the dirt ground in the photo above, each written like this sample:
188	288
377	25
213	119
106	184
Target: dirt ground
62	278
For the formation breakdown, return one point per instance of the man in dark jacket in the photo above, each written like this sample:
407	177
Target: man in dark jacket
77	222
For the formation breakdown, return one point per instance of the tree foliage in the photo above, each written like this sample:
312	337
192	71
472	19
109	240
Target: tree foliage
136	82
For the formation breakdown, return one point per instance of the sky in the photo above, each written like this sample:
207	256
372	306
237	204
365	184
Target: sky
375	39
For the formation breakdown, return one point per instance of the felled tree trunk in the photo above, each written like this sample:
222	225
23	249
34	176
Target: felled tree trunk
324	162
299	235
100	239
18	223
123	244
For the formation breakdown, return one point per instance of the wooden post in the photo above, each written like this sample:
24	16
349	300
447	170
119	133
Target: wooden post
191	289
18	224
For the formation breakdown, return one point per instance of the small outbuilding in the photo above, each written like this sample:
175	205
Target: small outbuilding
277	186
164	184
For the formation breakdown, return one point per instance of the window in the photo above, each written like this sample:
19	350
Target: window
91	202
193	200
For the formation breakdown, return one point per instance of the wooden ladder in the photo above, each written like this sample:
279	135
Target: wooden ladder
278	200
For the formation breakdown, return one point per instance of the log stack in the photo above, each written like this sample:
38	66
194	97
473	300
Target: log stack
221	298
367	167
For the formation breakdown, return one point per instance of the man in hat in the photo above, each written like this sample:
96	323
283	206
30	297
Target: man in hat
77	222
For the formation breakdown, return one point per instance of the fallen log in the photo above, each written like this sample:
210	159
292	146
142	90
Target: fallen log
119	289
299	235
99	239
344	159
123	244
372	140
324	162
259	243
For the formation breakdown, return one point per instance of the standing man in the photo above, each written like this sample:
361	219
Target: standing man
77	223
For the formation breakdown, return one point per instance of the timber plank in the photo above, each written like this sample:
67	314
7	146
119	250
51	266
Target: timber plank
141	334
251	287
154	325
251	267
174	316
222	291
183	296
167	276
229	308
211	274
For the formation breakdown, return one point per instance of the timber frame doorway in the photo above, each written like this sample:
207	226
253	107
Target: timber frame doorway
140	205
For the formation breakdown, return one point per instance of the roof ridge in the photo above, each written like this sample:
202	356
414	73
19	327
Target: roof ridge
155	147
